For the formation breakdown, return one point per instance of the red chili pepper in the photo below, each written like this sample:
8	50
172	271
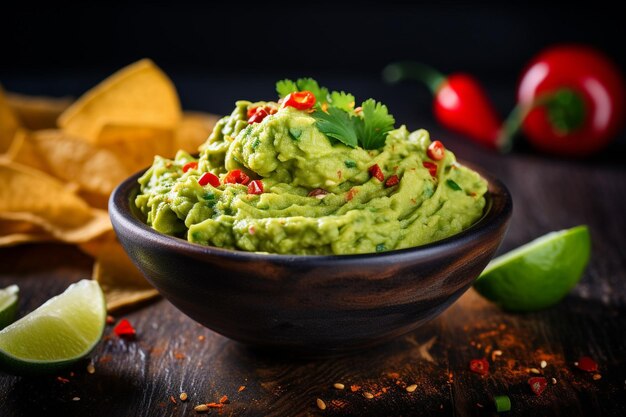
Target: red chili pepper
436	151
376	172
258	116
251	111
391	181
571	101
255	187
236	176
124	329
460	102
585	363
301	100
479	366
538	384
209	178
190	165
431	167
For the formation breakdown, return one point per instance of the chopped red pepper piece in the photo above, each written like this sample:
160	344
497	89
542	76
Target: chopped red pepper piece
391	181
209	178
538	384
431	167
190	165
436	151
258	115
301	100
124	329
479	366
251	111
255	187
376	172
236	176
585	363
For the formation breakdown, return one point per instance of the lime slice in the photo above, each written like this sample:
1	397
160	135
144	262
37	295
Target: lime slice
8	305
537	274
63	330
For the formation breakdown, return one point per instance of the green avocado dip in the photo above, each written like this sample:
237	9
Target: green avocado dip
312	175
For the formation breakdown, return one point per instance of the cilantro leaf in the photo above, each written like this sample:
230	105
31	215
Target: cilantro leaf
284	87
377	122
342	100
309	84
337	124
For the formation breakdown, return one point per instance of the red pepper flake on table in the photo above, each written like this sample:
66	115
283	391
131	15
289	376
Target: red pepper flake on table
537	384
124	329
585	363
479	366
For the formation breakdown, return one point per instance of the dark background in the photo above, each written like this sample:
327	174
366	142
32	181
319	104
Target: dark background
217	53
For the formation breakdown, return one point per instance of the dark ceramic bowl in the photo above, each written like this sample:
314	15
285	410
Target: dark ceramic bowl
312	304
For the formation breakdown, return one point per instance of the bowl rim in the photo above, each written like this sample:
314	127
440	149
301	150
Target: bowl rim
498	209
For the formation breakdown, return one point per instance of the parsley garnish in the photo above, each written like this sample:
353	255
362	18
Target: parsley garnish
450	183
339	121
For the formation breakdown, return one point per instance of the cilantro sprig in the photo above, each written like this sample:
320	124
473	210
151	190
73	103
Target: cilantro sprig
335	115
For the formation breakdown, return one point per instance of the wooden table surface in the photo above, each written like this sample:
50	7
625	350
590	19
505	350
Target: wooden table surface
173	354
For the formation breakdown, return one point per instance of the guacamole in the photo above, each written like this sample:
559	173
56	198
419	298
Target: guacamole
278	184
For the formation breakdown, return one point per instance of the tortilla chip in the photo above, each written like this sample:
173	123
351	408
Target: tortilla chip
138	95
136	146
15	232
34	197
95	170
121	281
9	123
193	130
37	113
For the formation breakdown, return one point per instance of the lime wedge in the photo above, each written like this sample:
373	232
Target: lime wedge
63	330
539	273
8	305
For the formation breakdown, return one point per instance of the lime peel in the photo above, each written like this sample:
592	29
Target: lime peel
9	298
538	274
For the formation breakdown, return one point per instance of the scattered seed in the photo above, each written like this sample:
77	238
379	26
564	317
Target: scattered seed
224	400
183	396
368	395
553	380
91	369
534	371
320	404
596	377
543	364
241	388
495	354
479	405
202	408
76	399
339	385
411	388
62	380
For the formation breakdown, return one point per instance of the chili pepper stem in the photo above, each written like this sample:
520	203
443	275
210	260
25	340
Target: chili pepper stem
399	71
565	115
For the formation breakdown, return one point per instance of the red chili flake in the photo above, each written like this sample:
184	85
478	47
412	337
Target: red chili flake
209	178
190	165
124	329
251	230
241	388
251	111
393	375
62	380
479	366
431	167
224	400
436	151
301	100
585	363
110	319
255	187
355	388
179	355
172	399
376	172
236	177
538	384
214	405
258	115
317	192
350	195
391	181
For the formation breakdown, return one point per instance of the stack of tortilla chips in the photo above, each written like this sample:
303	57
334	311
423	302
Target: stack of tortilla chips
60	160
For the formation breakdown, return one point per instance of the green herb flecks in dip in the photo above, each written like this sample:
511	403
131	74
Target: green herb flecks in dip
315	189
